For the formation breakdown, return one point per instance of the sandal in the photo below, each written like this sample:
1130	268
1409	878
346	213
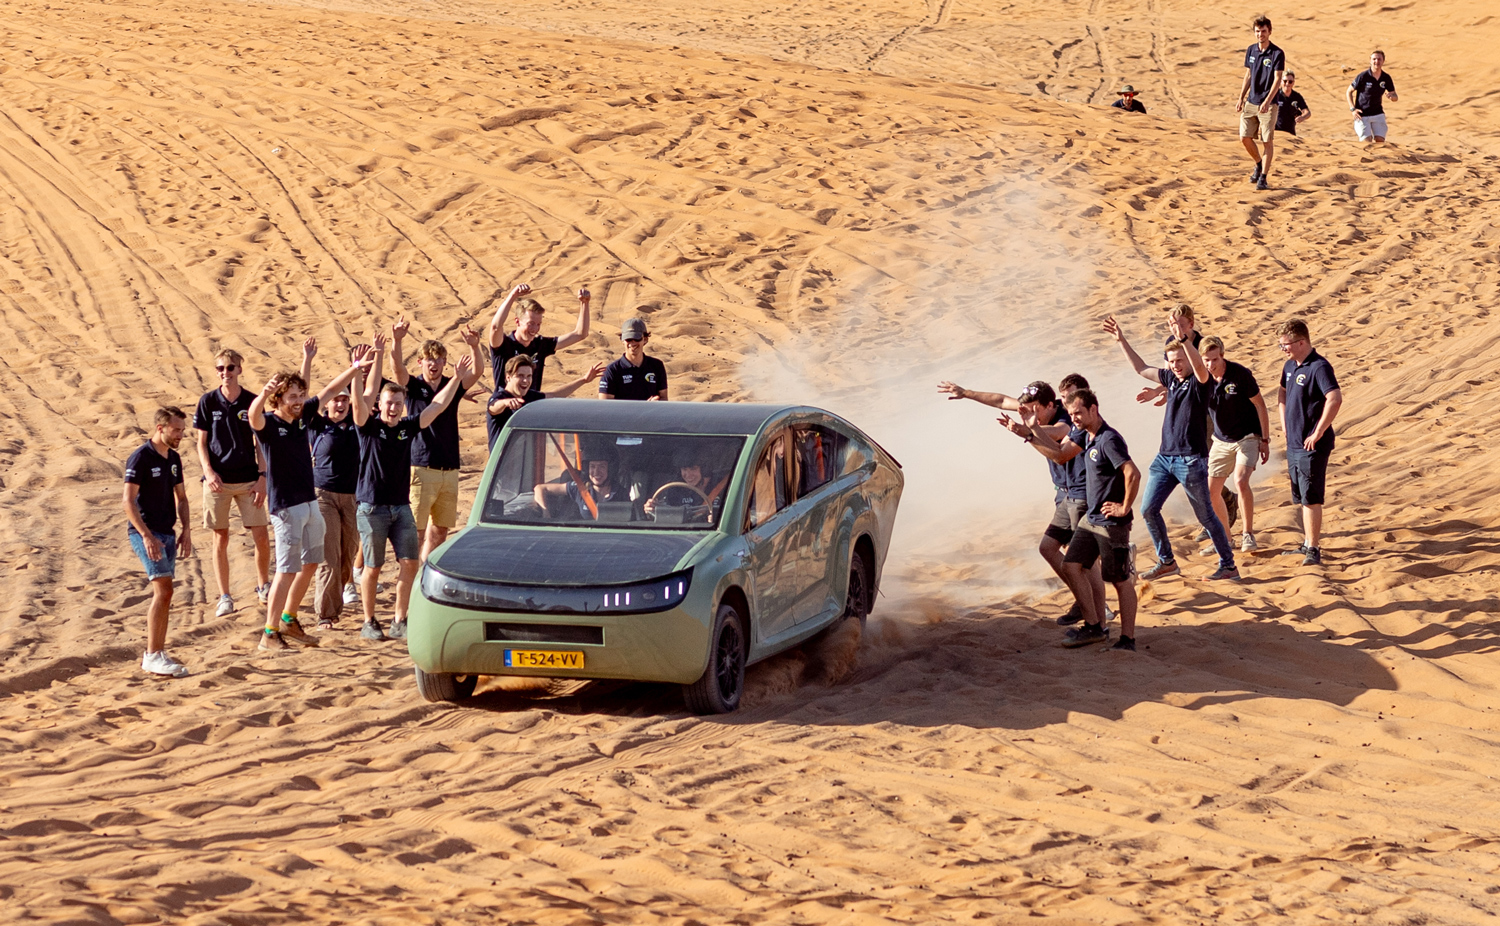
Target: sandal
326	623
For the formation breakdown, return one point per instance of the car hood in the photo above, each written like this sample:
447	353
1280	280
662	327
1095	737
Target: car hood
526	556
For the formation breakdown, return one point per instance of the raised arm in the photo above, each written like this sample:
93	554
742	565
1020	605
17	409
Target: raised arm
471	338
1112	328
993	399
1042	437
360	361
445	395
580	330
502	313
309	351
256	415
365	399
1195	360
596	371
398	358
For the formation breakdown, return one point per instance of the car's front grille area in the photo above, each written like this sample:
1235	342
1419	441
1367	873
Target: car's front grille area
542	633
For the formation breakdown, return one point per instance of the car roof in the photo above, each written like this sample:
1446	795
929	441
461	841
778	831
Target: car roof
651	417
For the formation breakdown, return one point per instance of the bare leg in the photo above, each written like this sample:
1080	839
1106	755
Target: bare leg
1052	552
1096	589
367	588
1216	497
1247	497
300	583
221	560
433	539
262	537
1251	147
404	581
1078	581
1126	592
1312	524
156	616
1265	164
281	587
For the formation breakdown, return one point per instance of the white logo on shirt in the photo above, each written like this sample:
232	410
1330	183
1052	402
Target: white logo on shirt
1230	389
1094	454
155	472
628	377
174	469
651	378
1301	379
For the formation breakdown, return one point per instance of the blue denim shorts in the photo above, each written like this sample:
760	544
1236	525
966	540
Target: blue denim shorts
379	523
164	568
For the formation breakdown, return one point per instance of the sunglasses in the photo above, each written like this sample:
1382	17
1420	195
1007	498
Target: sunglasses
228	368
632	340
1029	393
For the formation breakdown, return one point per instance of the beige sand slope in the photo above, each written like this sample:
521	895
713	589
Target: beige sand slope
1309	745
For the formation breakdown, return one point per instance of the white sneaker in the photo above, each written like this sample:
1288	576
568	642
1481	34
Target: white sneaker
351	594
226	606
263	592
159	663
1248	544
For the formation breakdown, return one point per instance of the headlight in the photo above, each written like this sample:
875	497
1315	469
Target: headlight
633	598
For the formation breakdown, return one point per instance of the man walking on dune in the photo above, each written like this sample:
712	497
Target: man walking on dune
1264	66
1365	99
1310	399
155	501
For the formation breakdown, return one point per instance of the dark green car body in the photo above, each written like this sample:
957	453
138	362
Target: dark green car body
803	504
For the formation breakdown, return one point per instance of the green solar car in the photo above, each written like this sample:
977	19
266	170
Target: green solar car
655	541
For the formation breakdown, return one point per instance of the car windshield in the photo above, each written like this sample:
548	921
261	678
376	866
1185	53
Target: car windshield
650	481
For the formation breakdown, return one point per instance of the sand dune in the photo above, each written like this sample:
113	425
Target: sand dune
844	203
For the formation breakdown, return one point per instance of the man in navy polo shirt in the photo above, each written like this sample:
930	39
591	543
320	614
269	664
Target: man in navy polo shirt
1264	66
528	341
291	493
335	451
1365	95
518	392
1241	439
155	500
1310	399
1183	456
383	493
635	376
1103	535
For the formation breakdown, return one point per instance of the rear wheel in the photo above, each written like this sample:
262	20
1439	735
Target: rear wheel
719	689
861	595
445	686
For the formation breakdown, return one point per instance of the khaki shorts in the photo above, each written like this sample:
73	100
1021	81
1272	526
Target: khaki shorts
1224	456
436	492
1257	124
216	506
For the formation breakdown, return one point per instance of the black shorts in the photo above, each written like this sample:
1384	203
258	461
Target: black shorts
1065	519
1309	473
1108	543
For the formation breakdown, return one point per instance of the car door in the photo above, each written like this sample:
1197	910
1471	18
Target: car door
819	452
769	527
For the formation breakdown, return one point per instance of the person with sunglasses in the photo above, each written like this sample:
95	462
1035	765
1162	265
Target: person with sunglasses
1291	107
234	471
1128	102
635	376
1310	398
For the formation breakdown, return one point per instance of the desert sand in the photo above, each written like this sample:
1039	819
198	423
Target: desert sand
841	203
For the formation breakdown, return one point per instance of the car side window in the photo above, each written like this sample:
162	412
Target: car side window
820	456
768	487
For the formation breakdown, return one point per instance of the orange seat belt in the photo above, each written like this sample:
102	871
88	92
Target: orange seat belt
583	490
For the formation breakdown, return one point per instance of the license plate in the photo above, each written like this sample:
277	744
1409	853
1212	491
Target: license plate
543	659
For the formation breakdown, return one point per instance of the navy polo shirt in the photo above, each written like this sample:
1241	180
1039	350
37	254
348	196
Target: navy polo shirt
1104	456
1263	66
1184	431
335	450
289	466
496	423
1235	416
437	445
1291	105
158	476
1070	478
385	460
1370	91
624	380
231	441
538	350
1307	386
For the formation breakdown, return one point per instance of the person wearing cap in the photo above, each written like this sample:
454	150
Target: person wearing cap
635	376
1291	107
1128	102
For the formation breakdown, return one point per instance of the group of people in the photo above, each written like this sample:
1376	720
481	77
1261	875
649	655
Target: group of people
1216	428
1268	101
367	464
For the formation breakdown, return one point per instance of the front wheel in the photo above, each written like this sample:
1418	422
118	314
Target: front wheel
719	689
860	599
444	686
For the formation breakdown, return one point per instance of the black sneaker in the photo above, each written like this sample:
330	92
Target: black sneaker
1083	636
1301	550
1261	184
1232	508
1125	643
1313	557
1072	617
1255	174
398	629
371	630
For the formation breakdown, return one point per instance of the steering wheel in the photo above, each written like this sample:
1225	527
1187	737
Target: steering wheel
679	495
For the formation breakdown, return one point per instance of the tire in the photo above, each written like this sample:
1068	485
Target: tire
444	686
860	598
719	689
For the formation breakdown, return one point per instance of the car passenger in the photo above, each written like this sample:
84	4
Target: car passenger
597	481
